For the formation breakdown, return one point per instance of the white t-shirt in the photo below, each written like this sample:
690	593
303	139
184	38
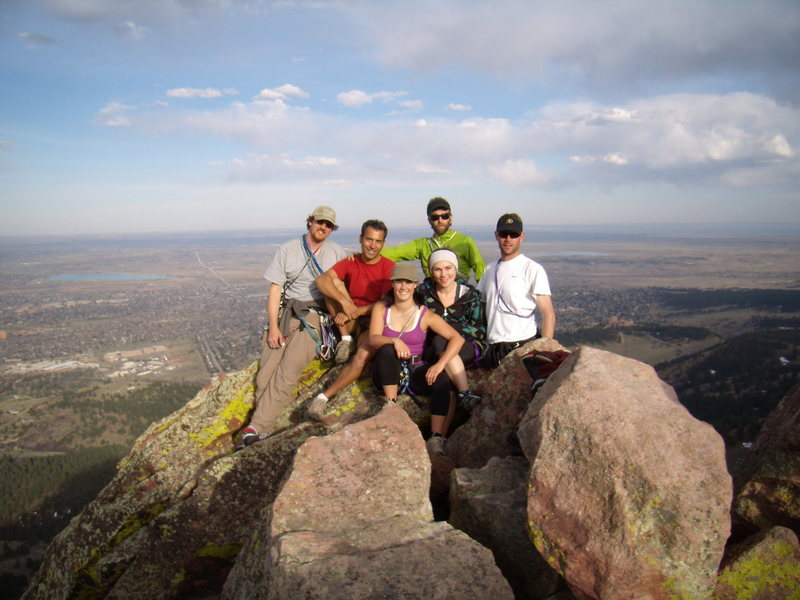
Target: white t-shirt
509	289
289	265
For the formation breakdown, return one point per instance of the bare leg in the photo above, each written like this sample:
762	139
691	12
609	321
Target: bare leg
354	368
457	373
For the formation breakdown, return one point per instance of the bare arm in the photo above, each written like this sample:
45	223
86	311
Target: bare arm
548	315
333	287
275	338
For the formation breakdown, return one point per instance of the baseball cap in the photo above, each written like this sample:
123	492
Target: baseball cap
406	270
324	213
509	222
437	204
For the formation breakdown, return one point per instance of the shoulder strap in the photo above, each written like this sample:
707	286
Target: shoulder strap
310	258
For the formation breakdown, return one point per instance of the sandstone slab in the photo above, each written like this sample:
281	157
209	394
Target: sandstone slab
506	393
489	504
629	495
353	520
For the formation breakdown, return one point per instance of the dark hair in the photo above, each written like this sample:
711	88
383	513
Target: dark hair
419	299
375	224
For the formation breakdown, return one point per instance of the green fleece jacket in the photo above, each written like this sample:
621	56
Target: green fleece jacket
469	258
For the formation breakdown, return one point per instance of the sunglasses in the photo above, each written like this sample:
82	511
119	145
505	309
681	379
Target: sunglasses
324	223
440	217
508	234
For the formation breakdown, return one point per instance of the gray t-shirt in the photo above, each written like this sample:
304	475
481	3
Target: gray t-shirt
289	265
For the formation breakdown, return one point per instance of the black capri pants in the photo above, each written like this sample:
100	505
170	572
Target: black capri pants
386	371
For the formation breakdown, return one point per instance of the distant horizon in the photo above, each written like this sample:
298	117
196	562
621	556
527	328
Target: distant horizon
485	233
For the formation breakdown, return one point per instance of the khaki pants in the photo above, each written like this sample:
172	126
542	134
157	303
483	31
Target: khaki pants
279	371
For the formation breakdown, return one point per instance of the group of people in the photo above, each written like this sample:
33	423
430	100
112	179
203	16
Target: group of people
420	335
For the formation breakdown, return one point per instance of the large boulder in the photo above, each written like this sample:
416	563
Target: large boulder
766	566
172	521
353	520
506	393
770	490
629	495
489	504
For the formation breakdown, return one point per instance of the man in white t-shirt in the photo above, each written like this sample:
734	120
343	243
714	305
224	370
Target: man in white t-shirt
514	288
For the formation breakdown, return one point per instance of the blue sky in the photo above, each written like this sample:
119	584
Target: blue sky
179	115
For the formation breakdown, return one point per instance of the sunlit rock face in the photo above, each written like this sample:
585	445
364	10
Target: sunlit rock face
613	490
628	494
353	520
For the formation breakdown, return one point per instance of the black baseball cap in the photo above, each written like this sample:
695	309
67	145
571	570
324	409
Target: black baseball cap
509	222
437	204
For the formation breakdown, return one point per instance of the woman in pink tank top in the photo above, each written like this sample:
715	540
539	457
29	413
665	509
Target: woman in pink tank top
398	328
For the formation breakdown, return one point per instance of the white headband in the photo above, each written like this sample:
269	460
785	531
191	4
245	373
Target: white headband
442	254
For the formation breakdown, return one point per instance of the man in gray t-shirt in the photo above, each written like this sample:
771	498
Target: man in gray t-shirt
287	346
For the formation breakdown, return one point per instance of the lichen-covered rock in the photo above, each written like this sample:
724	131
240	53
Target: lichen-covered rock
181	506
356	402
489	505
766	566
770	490
629	495
506	393
353	520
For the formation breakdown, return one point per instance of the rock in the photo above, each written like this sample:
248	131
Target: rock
353	520
628	494
356	402
506	393
770	493
763	567
489	505
179	509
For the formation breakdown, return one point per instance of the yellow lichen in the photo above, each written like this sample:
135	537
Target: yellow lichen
227	552
754	576
236	409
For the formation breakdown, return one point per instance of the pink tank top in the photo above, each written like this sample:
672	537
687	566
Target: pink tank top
414	338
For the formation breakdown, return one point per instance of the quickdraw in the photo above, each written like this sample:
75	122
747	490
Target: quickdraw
325	342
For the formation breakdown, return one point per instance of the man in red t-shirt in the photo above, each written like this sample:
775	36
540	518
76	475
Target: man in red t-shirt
351	287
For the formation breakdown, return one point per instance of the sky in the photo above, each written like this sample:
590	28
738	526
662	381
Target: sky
122	116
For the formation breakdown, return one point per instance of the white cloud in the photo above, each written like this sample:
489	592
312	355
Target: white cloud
459	107
358	98
353	98
200	93
132	30
673	138
408	106
597	44
520	173
388	96
283	92
111	115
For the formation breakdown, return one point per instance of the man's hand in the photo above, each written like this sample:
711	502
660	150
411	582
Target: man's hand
275	339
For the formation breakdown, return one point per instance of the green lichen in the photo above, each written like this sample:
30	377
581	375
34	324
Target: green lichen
774	572
236	409
89	585
179	578
227	552
551	552
311	374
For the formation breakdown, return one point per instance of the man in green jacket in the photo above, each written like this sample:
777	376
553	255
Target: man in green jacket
440	218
